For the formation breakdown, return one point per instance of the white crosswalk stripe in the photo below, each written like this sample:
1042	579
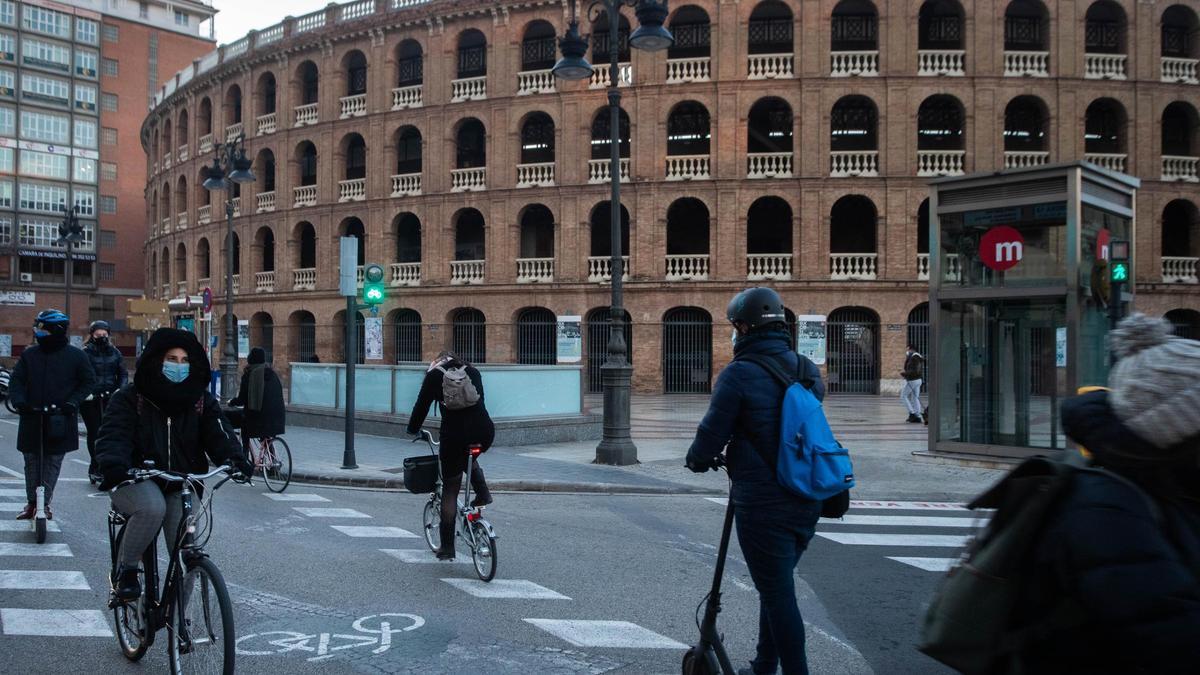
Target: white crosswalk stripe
615	634
23	526
294	497
422	556
378	531
43	580
515	589
317	512
35	550
927	564
877	539
12	492
54	622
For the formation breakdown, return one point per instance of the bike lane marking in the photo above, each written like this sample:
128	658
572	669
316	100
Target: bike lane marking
328	643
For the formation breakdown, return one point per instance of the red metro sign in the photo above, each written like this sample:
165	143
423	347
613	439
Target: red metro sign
1001	248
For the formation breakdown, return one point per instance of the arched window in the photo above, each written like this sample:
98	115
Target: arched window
181	194
599	329
691	28
181	129
233	105
1025	125
769	239
940	25
537	338
1179	130
687	351
265	240
354	149
472	54
537	139
262	333
204	120
769	128
1104	28
306	155
923	228
471	150
601	42
203	260
853	125
1180	240
469	335
1104	128
308	246
1179	26
600	224
410	64
305	337
181	274
537	232
408	238
770	29
940	124
852	351
309	81
688	131
1026	27
355	65
854	26
687	227
264	171
406	335
353	227
408	151
538	49
266	94
237	254
468	235
852	238
602	134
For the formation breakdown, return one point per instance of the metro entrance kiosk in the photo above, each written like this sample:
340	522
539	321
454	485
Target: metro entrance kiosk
1019	300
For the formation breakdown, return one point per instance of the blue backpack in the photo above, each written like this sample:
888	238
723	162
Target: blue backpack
811	464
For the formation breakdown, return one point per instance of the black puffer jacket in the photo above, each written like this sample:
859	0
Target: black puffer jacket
108	365
1134	573
178	426
459	428
59	377
271	419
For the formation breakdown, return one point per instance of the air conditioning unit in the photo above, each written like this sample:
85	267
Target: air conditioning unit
26	278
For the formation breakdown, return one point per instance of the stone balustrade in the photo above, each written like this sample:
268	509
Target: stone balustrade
536	82
1175	167
304	195
689	70
304	279
408	184
598	170
463	272
853	266
533	270
849	163
407	97
353	106
1104	66
406	274
1026	64
535	175
768	266
265	124
353	190
854	64
941	62
688	167
770	66
1181	71
687	267
1015	159
600	75
264	282
264	202
468	89
468	180
941	162
600	268
306	115
1180	270
769	165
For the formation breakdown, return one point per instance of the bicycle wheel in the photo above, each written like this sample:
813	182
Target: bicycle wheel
200	632
130	620
483	552
8	404
277	464
432	520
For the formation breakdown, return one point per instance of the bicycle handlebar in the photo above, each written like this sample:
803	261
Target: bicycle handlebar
425	434
142	475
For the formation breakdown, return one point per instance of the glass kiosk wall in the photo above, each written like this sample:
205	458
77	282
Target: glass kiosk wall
1019	288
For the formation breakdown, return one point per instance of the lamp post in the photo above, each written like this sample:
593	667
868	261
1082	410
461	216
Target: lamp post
70	231
616	445
229	166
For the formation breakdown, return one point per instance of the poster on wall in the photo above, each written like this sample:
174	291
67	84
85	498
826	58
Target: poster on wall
77	341
243	338
5	345
1060	347
570	339
18	298
810	337
373	330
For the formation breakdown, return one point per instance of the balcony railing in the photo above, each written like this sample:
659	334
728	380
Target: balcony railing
1110	161
203	283
769	165
183	153
687	267
354	106
406	274
181	221
1175	167
533	270
852	266
265	124
467	180
535	82
204	214
181	288
952	272
688	167
306	115
598	170
468	89
1014	159
1104	66
264	202
237	284
689	70
535	175
1180	270
466	271
1027	64
233	131
941	162
600	75
600	268
770	66
164	291
1182	71
304	195
304	279
935	62
206	144
768	266
264	282
407	184
844	164
165	225
237	206
353	190
166	160
407	97
849	64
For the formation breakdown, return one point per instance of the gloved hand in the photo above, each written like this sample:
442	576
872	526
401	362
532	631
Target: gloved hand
699	466
112	477
67	408
242	469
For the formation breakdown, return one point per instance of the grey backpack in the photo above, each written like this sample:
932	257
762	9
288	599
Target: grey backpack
458	392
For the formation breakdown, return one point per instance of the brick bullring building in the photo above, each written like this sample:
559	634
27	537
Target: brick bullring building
778	142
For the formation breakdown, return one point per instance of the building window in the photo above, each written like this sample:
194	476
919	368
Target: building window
44	165
48	21
8	82
8	12
143	10
85	170
85	97
108	238
43	233
108	170
45	54
110	32
8	47
44	89
108	102
45	127
42	197
181	18
85	202
6	160
108	206
6	194
85	31
6	230
111	67
86	62
108	271
85	133
8	122
108	136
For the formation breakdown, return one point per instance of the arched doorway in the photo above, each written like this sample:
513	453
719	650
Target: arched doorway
1185	323
406	335
598	331
537	339
918	336
687	351
304	340
468	336
852	351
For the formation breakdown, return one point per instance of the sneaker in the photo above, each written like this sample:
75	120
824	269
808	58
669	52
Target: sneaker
128	586
49	513
27	513
913	419
444	554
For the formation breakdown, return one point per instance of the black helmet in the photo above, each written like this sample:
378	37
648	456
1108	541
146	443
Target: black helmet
756	307
52	320
98	325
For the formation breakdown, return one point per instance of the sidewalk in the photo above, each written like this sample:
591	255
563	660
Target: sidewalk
872	427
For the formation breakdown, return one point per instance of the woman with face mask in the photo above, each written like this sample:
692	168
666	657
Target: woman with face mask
109	367
167	416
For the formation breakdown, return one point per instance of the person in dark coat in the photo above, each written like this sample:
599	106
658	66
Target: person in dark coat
1126	559
49	373
261	398
109	367
774	526
166	415
459	430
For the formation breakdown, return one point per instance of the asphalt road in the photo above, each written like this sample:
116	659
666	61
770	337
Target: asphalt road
310	598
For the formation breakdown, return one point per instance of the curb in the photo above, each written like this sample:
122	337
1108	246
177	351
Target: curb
509	485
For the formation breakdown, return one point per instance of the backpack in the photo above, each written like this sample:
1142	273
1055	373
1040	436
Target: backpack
458	391
811	463
974	622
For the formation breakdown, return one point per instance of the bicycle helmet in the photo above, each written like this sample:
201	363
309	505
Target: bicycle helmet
756	307
52	321
98	325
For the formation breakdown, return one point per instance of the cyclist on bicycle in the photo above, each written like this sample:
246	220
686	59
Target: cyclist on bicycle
167	416
261	398
109	366
50	373
465	422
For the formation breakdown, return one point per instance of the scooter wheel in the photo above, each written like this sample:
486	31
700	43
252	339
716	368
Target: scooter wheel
694	663
39	527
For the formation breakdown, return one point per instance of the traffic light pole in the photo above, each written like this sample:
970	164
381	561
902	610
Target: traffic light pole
348	459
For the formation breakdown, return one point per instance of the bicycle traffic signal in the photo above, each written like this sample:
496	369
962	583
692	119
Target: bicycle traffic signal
373	286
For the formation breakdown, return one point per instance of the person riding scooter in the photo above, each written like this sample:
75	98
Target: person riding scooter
109	367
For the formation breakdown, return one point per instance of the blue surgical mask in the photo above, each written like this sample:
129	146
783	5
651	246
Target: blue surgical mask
175	372
38	333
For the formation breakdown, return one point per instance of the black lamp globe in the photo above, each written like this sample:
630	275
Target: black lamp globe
650	35
241	172
573	65
214	177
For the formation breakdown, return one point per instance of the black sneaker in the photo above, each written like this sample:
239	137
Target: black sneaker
913	419
128	586
444	554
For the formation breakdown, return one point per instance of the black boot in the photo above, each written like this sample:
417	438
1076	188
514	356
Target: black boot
127	586
446	531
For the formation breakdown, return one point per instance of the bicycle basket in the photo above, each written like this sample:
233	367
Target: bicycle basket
421	474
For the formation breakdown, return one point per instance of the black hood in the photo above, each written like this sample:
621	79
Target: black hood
150	381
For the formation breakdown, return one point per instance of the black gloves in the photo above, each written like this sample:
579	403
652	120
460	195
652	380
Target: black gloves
112	477
698	466
68	408
241	466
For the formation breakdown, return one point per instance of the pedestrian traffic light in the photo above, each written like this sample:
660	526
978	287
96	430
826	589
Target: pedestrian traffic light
373	290
1118	270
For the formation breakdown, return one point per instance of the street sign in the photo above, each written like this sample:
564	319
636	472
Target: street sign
1001	248
1103	237
207	295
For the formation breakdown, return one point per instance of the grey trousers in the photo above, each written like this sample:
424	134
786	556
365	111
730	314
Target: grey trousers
41	473
147	510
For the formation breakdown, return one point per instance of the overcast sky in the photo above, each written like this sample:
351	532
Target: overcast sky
235	18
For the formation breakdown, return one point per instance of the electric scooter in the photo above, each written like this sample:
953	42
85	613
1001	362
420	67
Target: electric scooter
39	515
708	656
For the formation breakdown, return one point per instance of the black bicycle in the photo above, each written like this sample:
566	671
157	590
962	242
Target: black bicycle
193	604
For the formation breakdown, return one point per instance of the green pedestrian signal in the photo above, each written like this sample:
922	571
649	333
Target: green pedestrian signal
1119	271
373	288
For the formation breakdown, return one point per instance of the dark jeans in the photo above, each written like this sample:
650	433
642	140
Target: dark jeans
91	413
773	537
43	472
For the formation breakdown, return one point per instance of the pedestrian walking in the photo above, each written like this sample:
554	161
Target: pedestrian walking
910	393
774	526
261	398
108	365
49	373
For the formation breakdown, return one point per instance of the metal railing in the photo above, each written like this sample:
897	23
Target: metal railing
535	82
769	165
1179	269
264	282
531	270
1111	161
265	124
941	162
304	195
1014	159
600	75
354	106
935	62
535	175
598	170
1182	71
468	180
304	279
407	184
1026	64
853	266
854	64
688	167
1104	66
689	70
687	267
406	274
353	190
407	97
467	271
264	202
770	66
844	164
600	268
306	115
468	89
768	266
1175	167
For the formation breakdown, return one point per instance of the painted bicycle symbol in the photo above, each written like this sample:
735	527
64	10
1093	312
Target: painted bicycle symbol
374	631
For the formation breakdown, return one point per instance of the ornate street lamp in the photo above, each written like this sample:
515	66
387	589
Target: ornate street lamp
229	166
616	446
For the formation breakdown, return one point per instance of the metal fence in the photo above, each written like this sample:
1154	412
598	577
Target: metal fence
537	337
687	351
406	336
852	351
918	336
597	334
468	335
